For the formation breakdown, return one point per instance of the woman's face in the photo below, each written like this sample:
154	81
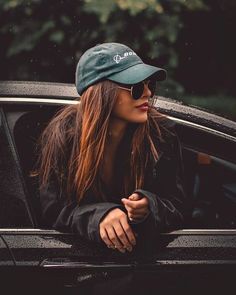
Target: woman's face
130	110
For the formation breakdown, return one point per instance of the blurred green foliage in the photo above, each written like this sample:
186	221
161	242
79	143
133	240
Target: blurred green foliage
150	27
43	40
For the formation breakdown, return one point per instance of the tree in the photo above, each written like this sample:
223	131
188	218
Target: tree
42	40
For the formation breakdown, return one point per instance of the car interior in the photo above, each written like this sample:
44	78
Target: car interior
208	158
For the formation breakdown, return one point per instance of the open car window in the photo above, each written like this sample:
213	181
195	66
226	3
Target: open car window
209	163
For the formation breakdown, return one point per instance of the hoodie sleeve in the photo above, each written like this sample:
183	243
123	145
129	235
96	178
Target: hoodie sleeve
67	216
168	203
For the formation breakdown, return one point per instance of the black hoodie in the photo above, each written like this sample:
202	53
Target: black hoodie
164	188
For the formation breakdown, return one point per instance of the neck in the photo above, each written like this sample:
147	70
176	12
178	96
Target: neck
116	131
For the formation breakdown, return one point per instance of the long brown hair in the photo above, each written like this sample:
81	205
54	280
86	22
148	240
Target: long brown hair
72	145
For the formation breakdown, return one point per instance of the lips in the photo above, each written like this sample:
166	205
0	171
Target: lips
143	105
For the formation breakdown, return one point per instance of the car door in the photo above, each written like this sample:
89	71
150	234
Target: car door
24	247
187	260
6	258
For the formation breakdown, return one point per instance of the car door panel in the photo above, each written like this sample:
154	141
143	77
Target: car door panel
60	260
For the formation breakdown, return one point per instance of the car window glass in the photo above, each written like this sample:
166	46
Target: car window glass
211	185
13	208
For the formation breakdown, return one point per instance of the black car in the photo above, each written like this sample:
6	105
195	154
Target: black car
199	259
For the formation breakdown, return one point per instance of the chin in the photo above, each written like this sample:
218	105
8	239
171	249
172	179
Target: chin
142	119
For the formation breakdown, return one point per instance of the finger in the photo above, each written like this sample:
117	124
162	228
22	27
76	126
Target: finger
134	197
127	207
129	232
141	211
136	213
121	234
128	203
135	204
138	209
114	239
105	238
137	216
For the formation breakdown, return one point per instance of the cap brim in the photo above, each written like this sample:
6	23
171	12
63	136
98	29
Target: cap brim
137	73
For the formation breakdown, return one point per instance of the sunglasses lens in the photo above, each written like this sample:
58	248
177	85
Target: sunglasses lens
137	90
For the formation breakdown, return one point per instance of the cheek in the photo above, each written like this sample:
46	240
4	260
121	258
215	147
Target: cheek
126	111
122	106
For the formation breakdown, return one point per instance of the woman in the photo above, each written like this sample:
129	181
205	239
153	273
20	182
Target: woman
110	167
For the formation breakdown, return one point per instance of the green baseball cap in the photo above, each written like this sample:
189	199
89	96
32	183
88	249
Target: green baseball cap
115	62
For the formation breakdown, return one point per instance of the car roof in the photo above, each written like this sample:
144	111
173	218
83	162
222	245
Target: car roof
67	92
38	89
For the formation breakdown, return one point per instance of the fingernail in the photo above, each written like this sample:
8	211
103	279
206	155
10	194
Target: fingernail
129	249
122	250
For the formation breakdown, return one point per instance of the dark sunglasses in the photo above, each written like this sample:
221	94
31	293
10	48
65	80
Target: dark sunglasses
137	89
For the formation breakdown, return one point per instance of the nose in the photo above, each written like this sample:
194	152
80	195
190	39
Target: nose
146	92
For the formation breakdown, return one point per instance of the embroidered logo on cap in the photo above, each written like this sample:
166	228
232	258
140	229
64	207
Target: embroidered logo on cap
117	58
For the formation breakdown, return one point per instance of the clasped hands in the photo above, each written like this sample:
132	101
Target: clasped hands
115	229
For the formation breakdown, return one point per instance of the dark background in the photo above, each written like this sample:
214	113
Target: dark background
194	40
